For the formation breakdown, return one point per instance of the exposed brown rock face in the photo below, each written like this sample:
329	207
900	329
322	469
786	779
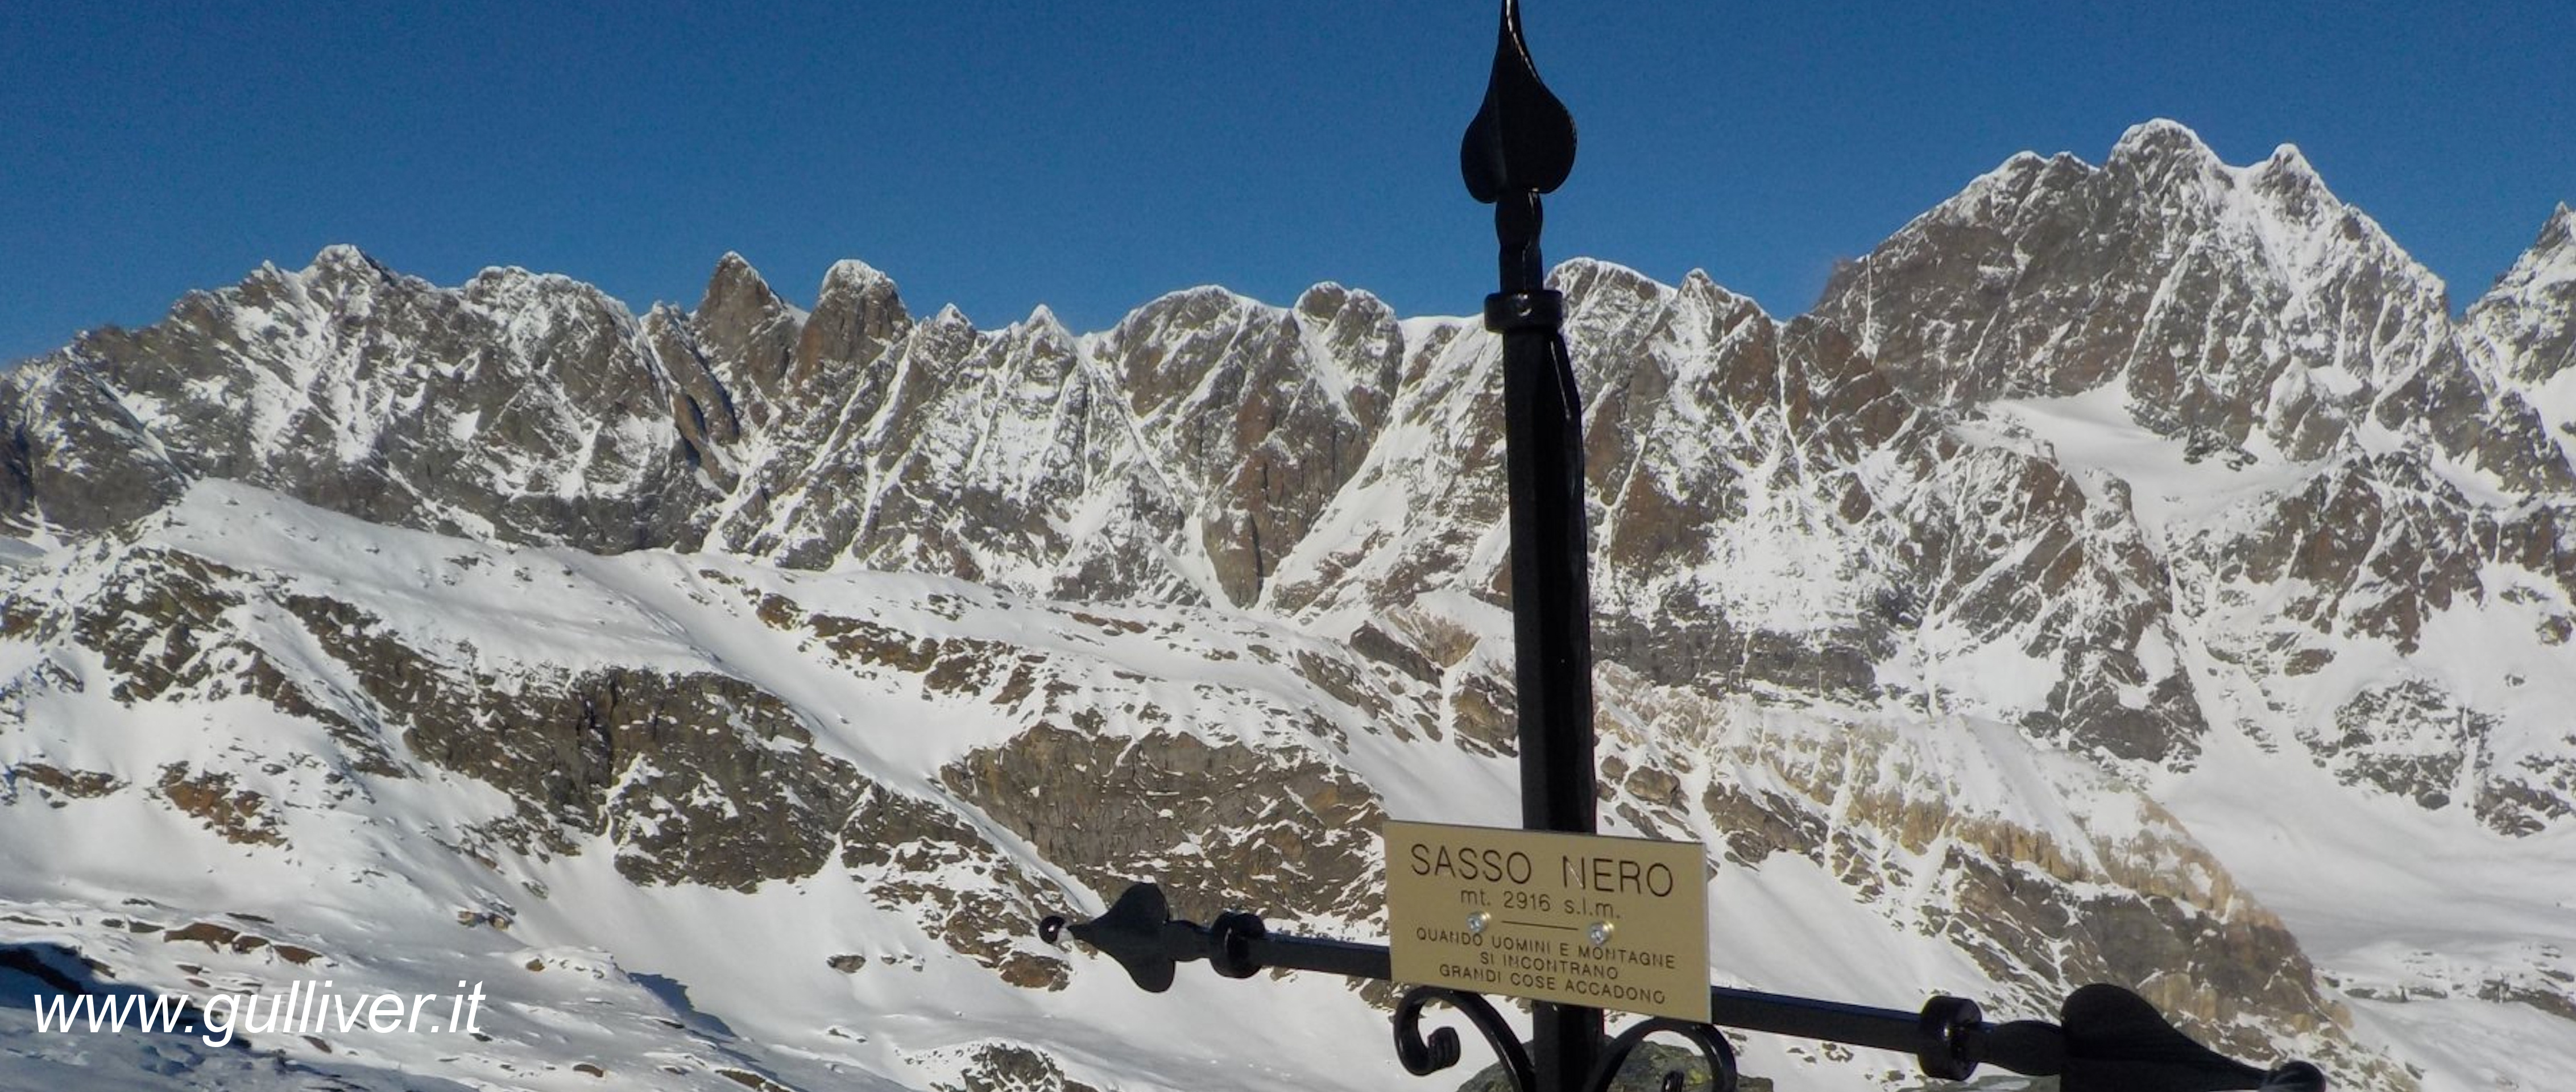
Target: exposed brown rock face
857	315
78	784
1009	1067
1215	826
1264	426
914	854
746	335
695	778
210	797
73	455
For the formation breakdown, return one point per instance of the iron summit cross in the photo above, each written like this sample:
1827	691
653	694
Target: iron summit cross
2107	1039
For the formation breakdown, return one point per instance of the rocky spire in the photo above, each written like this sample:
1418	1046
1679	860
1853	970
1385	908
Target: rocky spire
748	334
857	313
2528	320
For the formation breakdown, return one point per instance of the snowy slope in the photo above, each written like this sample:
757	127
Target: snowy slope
391	876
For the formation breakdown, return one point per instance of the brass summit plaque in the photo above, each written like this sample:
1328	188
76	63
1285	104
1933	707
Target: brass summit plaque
1578	919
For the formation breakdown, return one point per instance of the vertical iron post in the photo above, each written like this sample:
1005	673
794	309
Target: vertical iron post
1521	145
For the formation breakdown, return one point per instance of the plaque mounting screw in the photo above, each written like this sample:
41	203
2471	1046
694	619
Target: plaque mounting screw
1599	933
1477	921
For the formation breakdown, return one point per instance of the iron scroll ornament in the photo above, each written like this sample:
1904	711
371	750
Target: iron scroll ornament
2106	1039
1423	1058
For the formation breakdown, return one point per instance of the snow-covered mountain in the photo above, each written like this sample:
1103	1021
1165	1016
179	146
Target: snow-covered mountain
2127	573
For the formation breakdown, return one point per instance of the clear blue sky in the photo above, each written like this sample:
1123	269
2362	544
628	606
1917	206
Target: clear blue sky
1092	155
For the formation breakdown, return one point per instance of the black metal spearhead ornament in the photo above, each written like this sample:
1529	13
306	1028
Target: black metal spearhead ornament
1522	139
1520	145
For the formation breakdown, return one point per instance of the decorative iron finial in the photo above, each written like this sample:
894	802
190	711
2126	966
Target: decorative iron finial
1522	139
1520	146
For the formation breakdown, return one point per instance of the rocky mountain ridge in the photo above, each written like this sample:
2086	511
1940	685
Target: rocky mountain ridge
1923	601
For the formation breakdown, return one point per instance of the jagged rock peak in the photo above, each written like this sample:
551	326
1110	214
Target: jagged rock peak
1326	290
1697	284
1592	282
1608	305
1042	329
334	269
1582	277
851	273
2167	156
2281	204
2161	137
2550	261
735	290
1197	299
2238	304
2001	195
857	313
2289	160
2553	255
748	334
1323	300
512	285
344	256
1592	267
2026	161
2525	326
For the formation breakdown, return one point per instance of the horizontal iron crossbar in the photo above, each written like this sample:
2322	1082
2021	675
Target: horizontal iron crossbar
2107	1038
